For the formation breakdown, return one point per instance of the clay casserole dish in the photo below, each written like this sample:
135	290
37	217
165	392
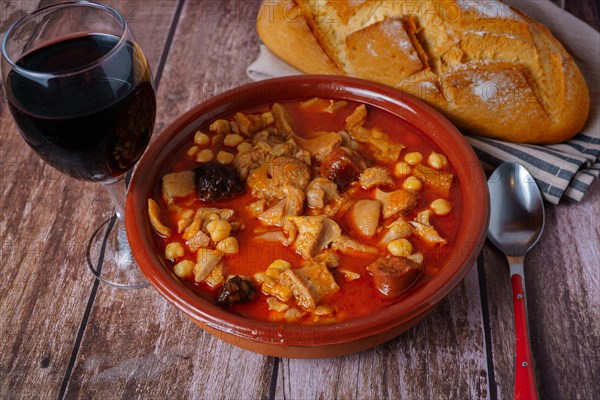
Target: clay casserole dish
302	341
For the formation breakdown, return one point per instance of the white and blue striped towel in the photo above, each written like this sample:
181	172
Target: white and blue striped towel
562	171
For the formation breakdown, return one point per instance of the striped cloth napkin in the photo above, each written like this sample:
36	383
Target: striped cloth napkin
562	171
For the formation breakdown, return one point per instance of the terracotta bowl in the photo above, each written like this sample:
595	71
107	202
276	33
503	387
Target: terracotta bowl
296	341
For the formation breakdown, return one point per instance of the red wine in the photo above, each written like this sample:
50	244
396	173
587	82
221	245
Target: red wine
86	106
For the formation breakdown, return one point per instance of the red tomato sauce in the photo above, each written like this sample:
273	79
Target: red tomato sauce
355	298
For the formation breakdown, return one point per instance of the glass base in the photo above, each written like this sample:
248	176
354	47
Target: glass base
110	259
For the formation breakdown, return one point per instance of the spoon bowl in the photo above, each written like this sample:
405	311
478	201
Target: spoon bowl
516	224
519	221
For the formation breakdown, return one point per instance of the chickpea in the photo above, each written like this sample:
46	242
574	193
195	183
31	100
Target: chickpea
273	273
184	268
401	168
233	140
412	183
268	117
220	126
213	216
192	151
229	245
201	139
204	156
260	137
279	149
244	147
400	248
283	292
218	229
275	305
267	284
215	140
174	250
440	207
234	127
277	267
225	158
280	265
413	158
293	314
323	310
437	160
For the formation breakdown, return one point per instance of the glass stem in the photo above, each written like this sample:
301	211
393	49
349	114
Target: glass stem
118	191
114	251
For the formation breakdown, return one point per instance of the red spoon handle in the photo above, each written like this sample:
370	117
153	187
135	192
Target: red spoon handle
525	388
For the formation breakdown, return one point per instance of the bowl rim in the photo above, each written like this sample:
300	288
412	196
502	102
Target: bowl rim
475	208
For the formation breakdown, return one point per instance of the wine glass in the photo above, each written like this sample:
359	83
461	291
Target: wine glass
81	93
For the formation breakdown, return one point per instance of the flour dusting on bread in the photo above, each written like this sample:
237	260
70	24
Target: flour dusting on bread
488	8
489	68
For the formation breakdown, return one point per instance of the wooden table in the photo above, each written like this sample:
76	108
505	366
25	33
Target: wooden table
64	336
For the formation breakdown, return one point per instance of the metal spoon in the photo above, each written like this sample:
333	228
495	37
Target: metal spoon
516	224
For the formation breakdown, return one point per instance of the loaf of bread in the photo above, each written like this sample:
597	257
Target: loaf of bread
489	68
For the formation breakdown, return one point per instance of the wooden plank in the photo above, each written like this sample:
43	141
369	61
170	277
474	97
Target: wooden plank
501	320
296	378
37	331
11	11
45	221
563	287
377	378
138	345
443	357
214	43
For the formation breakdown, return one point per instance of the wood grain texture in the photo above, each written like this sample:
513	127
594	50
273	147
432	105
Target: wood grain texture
137	345
11	11
214	43
563	285
45	222
415	365
37	331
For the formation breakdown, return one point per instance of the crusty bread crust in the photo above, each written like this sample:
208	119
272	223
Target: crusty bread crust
490	69
284	31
